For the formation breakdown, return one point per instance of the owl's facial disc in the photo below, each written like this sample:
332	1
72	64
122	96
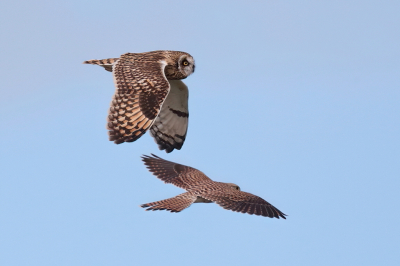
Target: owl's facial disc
186	64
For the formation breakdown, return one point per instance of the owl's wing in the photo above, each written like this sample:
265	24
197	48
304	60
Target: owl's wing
170	127
141	88
239	201
177	174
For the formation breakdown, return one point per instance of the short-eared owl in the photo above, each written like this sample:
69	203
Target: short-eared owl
200	188
149	95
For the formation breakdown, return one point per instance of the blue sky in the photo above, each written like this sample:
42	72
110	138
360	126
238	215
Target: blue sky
296	102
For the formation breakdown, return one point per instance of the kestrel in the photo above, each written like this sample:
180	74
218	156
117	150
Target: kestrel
200	188
149	95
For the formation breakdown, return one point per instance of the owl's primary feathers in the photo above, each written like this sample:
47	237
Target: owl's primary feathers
200	188
149	95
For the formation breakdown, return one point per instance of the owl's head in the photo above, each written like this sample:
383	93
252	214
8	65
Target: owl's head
180	67
186	64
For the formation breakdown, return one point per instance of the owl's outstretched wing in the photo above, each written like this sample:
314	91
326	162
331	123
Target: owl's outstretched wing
170	127
141	88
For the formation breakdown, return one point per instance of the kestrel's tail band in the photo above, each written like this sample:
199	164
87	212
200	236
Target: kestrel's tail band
175	204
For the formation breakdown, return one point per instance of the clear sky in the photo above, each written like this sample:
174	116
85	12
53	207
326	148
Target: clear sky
297	102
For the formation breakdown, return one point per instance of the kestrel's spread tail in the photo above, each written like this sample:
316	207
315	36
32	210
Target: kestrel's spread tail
200	188
175	204
149	95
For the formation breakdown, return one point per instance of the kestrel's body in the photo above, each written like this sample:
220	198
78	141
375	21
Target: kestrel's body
200	188
149	95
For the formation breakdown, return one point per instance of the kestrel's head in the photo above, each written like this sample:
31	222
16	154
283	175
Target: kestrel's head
180	65
234	186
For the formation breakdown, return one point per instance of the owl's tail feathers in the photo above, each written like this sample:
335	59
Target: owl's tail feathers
175	204
106	63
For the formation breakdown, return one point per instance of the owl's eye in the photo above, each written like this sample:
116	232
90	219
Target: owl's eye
185	63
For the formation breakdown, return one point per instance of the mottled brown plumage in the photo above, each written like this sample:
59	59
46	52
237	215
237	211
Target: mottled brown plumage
200	188
149	95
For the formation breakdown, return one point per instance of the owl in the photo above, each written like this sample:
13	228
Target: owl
200	188
149	95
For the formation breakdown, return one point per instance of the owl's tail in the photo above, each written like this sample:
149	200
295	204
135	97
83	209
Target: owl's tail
106	63
175	204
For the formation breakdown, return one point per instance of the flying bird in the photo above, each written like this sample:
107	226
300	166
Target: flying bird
200	188
149	95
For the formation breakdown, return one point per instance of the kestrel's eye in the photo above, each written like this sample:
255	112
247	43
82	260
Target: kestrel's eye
185	63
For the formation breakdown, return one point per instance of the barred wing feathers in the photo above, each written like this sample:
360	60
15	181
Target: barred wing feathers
240	201
141	88
177	174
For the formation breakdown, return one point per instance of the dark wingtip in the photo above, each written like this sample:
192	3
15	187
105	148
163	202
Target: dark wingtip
155	156
280	215
144	156
147	156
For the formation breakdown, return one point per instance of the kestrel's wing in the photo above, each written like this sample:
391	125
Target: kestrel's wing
180	175
175	204
239	201
141	88
170	127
